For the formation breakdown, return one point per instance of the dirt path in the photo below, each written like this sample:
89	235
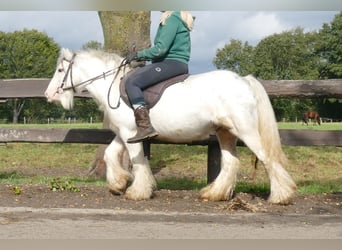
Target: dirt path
98	197
43	223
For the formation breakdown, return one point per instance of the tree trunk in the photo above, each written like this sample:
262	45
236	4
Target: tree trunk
123	31
17	108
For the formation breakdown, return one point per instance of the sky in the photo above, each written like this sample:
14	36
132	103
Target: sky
212	30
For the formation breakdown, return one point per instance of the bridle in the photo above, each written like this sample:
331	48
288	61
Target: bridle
73	86
61	88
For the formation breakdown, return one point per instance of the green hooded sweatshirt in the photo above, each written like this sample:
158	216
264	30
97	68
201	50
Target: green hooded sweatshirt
171	42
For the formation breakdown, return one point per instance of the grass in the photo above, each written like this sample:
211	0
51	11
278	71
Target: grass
299	125
16	155
182	183
314	169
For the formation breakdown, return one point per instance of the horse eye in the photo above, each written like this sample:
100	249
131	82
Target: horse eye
60	70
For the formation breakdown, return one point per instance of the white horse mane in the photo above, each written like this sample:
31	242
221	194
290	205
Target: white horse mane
102	55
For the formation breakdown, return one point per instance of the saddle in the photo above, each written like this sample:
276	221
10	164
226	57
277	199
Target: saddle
153	93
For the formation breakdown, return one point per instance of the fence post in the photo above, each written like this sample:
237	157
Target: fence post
214	159
147	149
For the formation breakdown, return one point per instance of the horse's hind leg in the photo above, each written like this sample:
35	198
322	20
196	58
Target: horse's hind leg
117	176
223	186
282	185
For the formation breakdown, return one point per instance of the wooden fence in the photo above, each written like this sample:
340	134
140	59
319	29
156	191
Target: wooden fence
28	88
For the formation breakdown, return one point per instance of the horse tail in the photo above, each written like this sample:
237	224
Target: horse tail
267	126
282	185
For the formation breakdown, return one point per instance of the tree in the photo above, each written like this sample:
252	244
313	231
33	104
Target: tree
95	45
38	110
235	56
330	49
124	30
26	54
288	55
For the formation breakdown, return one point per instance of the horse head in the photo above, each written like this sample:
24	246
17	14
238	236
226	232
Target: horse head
76	72
60	88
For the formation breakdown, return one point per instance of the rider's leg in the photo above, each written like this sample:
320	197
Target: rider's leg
141	79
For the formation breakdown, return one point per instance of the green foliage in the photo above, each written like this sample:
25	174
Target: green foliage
17	190
288	55
5	111
95	45
235	56
27	54
33	114
330	48
86	108
60	184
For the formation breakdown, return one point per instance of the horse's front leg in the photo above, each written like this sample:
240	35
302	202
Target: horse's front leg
144	183
223	186
117	175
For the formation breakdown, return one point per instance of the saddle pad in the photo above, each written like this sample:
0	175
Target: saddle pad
153	93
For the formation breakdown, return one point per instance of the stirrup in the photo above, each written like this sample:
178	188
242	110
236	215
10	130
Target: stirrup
139	138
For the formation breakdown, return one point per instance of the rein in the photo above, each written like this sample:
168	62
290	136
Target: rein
73	86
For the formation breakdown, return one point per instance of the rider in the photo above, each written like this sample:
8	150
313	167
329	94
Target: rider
169	55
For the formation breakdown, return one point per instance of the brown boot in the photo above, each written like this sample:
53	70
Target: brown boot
144	127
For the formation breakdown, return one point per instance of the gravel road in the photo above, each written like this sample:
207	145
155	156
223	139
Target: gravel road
75	223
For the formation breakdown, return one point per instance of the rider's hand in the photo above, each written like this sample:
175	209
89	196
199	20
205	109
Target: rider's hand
131	57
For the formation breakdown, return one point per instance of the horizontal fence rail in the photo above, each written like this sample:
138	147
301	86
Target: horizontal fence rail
303	88
289	137
28	88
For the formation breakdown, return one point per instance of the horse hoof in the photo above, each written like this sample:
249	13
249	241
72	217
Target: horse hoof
281	200
208	193
116	189
137	196
115	192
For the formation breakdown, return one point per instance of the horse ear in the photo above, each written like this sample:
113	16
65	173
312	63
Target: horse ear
65	52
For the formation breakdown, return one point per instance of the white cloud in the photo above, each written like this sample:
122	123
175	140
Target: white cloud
70	29
259	25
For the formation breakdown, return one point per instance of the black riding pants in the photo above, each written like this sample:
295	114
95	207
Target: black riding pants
149	75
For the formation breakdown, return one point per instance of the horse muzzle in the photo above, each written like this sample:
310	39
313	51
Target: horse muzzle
53	96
